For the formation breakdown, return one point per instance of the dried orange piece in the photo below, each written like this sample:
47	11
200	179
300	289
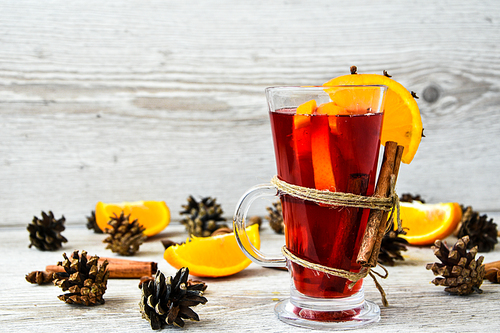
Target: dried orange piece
154	216
428	222
214	256
402	122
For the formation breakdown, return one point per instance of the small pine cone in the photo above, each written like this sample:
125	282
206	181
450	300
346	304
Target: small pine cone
391	247
45	234
92	223
85	280
482	232
460	273
168	243
39	277
202	217
408	197
275	217
168	300
125	237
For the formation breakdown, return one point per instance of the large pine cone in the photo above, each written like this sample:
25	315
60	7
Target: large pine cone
85	280
202	217
125	237
45	234
167	301
461	273
482	232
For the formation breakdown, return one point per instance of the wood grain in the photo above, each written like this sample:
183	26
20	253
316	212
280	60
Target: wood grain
242	302
112	101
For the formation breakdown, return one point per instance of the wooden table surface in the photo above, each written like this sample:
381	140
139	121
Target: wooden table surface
240	303
157	100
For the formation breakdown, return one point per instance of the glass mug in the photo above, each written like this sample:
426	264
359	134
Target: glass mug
325	138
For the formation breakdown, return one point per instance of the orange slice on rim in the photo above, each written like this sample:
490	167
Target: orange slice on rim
213	256
154	216
402	122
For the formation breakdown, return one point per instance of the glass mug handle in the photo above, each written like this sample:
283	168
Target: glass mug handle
240	216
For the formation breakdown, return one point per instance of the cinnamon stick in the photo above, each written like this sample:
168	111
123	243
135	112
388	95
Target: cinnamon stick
492	271
344	240
383	223
376	216
120	268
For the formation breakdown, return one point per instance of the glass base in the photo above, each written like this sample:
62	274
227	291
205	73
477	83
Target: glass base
316	315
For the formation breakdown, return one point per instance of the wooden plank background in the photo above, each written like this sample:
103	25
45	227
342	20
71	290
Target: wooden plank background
112	101
129	100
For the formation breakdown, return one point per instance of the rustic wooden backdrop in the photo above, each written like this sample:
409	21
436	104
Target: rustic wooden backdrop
130	100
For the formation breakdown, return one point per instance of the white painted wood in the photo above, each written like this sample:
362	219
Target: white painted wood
130	100
239	303
112	101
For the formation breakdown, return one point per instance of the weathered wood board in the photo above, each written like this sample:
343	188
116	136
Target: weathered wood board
112	101
240	303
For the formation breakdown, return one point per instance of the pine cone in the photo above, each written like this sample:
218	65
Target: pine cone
408	197
167	242
168	300
146	279
202	217
275	217
83	278
125	237
481	231
92	223
254	220
461	273
39	277
391	247
45	234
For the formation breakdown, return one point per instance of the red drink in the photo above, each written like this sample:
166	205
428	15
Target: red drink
305	149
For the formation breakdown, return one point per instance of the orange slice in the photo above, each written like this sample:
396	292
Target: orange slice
324	179
402	122
320	142
154	216
428	222
330	108
307	108
214	256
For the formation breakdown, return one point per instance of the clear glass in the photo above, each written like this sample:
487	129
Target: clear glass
332	145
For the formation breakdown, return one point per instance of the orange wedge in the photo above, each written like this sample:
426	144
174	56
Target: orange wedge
307	108
154	216
402	122
324	179
425	223
214	256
